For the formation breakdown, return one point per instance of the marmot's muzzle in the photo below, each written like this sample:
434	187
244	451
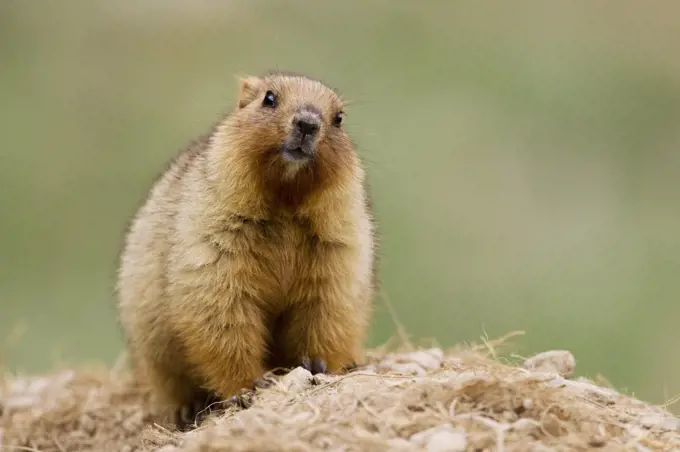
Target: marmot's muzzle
300	145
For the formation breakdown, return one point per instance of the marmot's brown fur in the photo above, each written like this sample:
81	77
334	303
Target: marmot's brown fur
254	250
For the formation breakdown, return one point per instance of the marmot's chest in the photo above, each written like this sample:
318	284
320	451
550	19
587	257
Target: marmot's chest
285	254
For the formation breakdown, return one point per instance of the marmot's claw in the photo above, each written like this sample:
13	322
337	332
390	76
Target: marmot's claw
268	379
185	417
263	383
351	367
242	401
194	413
315	366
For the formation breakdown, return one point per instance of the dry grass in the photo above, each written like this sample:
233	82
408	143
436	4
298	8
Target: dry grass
408	399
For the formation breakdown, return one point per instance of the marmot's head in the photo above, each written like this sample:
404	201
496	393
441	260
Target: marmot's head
289	130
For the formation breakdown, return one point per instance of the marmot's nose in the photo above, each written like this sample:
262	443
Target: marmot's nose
307	123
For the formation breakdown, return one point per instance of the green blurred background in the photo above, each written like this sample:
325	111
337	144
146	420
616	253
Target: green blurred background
524	158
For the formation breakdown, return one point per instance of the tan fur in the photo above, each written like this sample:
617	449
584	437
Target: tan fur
239	261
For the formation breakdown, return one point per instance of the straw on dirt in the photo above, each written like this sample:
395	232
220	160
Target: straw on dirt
419	399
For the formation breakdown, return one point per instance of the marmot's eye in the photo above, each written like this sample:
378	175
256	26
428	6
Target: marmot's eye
337	119
269	100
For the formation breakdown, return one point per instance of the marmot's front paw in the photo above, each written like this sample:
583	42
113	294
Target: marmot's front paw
194	413
242	401
350	367
265	382
315	366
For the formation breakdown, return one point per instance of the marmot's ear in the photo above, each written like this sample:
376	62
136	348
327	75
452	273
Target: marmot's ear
249	87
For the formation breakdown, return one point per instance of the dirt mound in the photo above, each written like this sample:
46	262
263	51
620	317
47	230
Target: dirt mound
418	399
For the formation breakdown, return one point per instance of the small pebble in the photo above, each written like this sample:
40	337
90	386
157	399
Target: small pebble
134	423
442	438
325	442
604	396
469	379
430	359
452	361
320	379
87	424
641	448
421	437
525	425
369	368
167	448
597	441
408	369
20	401
561	362
649	421
399	444
297	379
635	431
445	441
670	424
665	423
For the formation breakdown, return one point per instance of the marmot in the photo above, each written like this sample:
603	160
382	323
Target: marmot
255	249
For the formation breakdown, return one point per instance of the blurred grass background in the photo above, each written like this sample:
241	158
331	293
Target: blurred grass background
524	158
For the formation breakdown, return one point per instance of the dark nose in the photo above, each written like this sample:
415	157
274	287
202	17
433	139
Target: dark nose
307	123
307	127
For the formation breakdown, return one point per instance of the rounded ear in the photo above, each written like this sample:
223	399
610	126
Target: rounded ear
249	87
